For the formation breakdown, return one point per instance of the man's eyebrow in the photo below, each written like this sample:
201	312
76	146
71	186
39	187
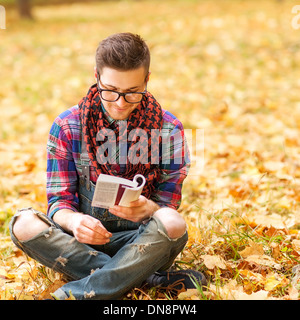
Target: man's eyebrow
115	88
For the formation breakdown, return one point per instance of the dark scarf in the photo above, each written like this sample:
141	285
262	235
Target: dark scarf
96	128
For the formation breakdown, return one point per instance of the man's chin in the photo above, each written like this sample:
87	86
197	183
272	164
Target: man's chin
120	113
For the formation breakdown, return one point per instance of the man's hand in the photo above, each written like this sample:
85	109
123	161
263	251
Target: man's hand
87	229
137	211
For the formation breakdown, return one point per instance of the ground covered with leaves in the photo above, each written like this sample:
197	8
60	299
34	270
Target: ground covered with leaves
229	68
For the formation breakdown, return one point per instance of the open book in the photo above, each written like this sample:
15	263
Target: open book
112	190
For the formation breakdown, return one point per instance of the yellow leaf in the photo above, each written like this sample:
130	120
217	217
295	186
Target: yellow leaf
263	260
71	297
229	291
189	294
271	283
252	276
46	294
259	295
254	248
273	166
213	261
293	293
5	275
296	245
284	203
194	234
275	220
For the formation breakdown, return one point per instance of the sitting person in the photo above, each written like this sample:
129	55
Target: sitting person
106	252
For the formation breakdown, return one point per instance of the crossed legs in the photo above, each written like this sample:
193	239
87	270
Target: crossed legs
97	274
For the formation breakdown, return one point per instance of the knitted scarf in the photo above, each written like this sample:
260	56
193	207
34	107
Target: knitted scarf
96	131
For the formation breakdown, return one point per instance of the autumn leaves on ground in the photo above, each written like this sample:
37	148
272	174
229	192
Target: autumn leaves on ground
228	68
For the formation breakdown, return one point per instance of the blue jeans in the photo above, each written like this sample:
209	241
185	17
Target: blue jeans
108	271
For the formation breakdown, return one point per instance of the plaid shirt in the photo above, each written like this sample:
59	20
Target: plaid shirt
64	164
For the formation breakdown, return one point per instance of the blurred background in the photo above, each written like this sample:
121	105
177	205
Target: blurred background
229	67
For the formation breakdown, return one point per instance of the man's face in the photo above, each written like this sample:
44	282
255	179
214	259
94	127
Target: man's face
122	81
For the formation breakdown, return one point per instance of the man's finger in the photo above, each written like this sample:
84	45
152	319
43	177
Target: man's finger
138	203
122	212
96	226
89	237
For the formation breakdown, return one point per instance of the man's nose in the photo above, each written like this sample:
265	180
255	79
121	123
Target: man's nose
121	102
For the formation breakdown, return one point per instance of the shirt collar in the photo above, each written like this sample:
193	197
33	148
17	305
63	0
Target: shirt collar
108	117
106	114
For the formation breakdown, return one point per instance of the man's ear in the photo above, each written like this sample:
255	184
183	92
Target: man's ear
95	72
148	76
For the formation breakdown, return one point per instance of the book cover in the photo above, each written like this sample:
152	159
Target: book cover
112	190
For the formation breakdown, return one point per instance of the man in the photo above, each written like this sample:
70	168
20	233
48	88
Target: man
104	253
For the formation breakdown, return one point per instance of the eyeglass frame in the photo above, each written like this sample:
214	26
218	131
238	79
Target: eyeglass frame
120	94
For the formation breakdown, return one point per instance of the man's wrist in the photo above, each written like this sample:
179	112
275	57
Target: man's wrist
153	208
64	218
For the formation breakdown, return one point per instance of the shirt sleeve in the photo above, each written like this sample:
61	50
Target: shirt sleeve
175	163
61	170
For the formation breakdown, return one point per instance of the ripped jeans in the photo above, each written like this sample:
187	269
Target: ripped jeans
108	271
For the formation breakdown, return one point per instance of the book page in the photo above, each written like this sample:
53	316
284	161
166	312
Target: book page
114	179
130	195
105	194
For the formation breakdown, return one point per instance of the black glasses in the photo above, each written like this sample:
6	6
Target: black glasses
112	96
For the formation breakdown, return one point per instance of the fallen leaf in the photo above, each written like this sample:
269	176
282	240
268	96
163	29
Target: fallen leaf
273	166
296	245
213	261
230	291
252	276
259	295
263	260
271	283
293	294
46	294
5	275
189	294
253	249
274	220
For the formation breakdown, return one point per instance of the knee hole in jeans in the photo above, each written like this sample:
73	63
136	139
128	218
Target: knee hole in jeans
28	225
174	224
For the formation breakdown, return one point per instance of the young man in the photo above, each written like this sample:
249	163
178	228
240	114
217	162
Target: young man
104	253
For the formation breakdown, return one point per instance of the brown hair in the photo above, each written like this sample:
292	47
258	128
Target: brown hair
123	51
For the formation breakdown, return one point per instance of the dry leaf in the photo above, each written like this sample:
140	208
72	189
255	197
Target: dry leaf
213	261
254	249
296	245
274	220
230	291
259	295
46	294
273	166
189	294
271	283
293	294
264	260
252	276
